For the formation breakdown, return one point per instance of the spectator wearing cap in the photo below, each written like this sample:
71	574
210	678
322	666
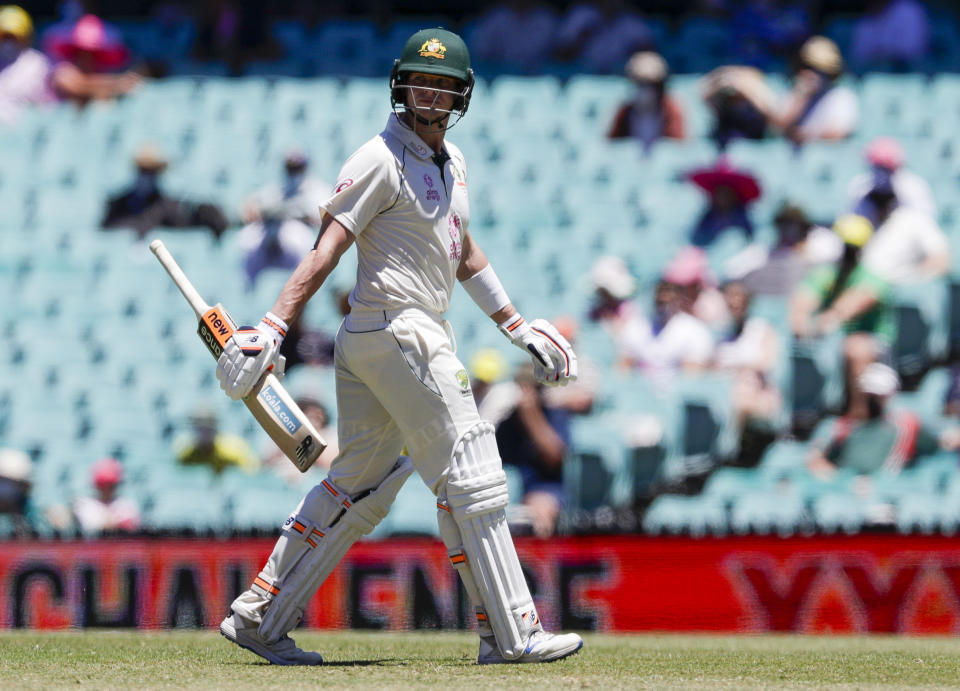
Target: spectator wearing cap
740	102
730	192
887	173
689	271
298	197
891	34
207	445
275	461
515	37
16	473
800	245
817	107
144	206
601	36
495	395
613	306
848	296
25	72
652	113
106	512
908	245
876	438
88	56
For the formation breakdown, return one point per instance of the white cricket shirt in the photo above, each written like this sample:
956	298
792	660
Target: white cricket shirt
409	215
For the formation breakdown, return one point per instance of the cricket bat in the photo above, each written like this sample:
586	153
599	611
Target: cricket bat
271	404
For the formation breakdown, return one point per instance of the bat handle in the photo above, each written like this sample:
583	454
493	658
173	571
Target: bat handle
163	255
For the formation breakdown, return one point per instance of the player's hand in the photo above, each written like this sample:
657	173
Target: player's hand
554	362
250	353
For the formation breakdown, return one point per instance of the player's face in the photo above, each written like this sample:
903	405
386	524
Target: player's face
431	95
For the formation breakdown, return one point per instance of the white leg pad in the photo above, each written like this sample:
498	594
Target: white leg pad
315	538
477	497
450	534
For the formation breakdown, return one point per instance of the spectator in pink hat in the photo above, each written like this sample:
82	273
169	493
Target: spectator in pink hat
886	159
696	286
106	512
89	55
729	194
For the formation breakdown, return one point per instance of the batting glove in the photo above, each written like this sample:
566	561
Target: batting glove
554	362
250	353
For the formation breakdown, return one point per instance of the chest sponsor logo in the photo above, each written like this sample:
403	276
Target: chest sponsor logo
427	180
342	185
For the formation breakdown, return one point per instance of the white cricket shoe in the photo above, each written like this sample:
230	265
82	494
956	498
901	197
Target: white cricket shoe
541	647
283	652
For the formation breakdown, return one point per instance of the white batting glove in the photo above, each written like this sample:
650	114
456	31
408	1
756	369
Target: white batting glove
554	362
250	353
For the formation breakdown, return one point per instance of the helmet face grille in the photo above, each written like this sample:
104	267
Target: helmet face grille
398	90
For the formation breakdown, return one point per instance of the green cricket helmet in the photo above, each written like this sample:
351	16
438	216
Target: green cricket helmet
434	51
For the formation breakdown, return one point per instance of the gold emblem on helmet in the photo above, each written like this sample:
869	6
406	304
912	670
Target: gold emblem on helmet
432	49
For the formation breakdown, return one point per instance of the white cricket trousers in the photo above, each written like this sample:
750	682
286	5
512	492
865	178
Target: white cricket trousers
399	384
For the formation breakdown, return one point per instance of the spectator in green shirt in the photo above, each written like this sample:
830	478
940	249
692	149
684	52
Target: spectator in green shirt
848	296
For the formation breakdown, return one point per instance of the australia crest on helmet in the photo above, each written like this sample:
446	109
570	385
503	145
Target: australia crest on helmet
432	48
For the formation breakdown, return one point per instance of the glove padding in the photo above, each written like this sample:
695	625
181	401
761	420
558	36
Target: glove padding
554	362
250	353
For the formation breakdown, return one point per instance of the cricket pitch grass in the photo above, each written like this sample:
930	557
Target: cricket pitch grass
358	660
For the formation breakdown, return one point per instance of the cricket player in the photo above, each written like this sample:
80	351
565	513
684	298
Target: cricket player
402	197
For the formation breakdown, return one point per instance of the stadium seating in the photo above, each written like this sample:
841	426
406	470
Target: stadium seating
549	195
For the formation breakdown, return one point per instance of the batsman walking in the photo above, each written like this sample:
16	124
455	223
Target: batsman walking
402	197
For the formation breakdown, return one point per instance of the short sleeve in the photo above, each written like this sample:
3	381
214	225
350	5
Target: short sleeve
364	188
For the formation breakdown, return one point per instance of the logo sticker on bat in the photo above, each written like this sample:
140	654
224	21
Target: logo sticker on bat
280	410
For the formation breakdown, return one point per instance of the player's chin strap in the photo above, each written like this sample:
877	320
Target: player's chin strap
479	544
315	538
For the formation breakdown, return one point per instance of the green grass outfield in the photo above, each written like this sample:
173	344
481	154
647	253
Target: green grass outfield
116	659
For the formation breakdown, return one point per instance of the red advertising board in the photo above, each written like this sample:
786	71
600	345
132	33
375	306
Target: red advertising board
841	584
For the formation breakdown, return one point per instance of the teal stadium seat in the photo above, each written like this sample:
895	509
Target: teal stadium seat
697	516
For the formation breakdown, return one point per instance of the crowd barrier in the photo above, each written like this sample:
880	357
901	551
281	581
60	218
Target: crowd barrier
884	583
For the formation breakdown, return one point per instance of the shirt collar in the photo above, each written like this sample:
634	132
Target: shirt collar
407	137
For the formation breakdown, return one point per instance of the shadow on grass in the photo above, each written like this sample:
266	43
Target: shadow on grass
387	662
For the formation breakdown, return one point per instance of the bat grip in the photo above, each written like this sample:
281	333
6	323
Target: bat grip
163	255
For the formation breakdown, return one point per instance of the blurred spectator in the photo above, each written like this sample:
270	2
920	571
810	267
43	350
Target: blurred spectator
234	31
908	245
304	345
893	34
534	438
106	512
613	305
16	472
515	36
495	397
875	438
25	72
848	296
689	271
800	245
671	339
887	172
750	349
764	30
297	198
652	113
729	194
88	54
576	397
740	101
274	241
206	445
817	107
144	206
601	36
951	402
277	462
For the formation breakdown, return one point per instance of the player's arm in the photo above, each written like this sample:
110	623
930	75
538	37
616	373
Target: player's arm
554	359
251	352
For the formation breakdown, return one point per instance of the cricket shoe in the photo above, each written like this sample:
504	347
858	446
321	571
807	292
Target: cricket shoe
541	647
283	652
